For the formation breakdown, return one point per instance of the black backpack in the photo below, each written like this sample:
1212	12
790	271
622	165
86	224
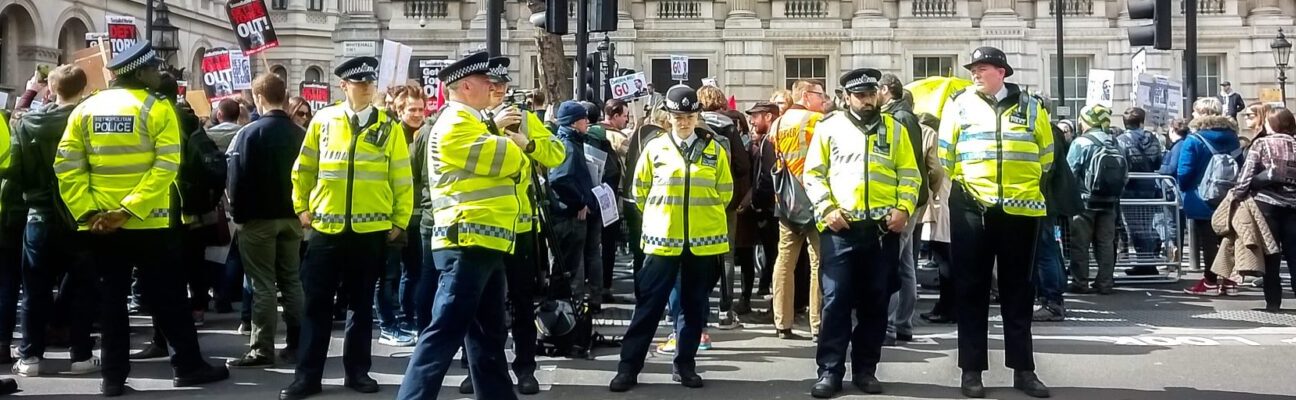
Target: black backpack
1106	173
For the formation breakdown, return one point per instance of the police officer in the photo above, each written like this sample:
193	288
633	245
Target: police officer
473	173
863	179
353	189
115	165
682	184
522	265
995	143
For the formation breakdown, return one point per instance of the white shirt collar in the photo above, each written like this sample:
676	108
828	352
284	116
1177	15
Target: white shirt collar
686	142
362	115
1002	93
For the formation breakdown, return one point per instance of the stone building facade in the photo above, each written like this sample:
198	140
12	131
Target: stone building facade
752	47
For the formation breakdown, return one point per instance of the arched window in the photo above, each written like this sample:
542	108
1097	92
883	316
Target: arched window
71	39
314	74
281	71
16	30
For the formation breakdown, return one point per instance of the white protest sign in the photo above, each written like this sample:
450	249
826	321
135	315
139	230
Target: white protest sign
710	82
1101	82
607	203
393	64
628	86
241	70
679	67
1138	65
595	160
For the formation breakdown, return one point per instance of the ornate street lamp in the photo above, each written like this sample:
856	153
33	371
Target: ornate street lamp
1282	56
164	35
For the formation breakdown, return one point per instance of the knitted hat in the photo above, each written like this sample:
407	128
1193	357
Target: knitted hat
1096	116
569	112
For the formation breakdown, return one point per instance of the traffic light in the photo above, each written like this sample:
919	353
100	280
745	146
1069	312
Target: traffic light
556	17
1157	34
603	15
593	83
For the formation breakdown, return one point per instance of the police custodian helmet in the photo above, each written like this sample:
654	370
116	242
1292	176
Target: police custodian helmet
992	56
681	99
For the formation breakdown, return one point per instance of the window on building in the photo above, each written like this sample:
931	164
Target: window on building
279	4
1209	75
281	71
1075	78
929	66
662	80
315	5
809	68
535	72
313	74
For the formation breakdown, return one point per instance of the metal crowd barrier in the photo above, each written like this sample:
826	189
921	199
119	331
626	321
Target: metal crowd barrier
1149	232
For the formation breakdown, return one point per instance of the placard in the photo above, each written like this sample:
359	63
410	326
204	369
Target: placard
241	68
316	94
1161	97
427	76
122	33
252	25
394	63
182	88
679	67
92	38
218	75
90	60
198	102
710	82
607	200
1138	66
1101	85
628	86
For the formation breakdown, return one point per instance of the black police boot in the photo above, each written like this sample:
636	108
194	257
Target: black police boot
1028	383
972	386
527	384
153	350
689	379
112	389
466	387
362	383
867	383
623	382
827	387
205	375
299	390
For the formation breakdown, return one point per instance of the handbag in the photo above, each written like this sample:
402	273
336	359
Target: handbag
792	204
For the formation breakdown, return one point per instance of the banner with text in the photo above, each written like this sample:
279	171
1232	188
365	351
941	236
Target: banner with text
122	33
218	75
252	25
241	70
427	76
626	87
316	94
92	38
679	67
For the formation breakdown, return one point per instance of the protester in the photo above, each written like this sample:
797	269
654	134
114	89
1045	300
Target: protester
793	132
299	110
1213	134
936	222
899	104
394	300
1094	158
1269	176
576	221
1143	153
228	114
756	224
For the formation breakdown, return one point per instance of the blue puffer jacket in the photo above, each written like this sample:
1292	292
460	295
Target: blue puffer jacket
1221	132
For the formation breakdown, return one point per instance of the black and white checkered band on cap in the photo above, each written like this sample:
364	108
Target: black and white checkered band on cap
861	81
477	63
362	69
149	57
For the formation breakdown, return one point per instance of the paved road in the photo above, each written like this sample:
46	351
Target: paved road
1145	342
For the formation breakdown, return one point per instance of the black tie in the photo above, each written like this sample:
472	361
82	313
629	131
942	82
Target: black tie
355	122
490	125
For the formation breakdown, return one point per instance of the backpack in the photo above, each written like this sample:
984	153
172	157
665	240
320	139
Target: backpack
1142	149
1221	173
1106	173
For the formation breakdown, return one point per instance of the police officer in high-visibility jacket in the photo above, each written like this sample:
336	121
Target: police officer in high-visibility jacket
995	143
523	264
115	164
353	189
863	179
682	184
473	172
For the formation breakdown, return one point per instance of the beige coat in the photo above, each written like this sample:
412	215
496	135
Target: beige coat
936	216
1245	238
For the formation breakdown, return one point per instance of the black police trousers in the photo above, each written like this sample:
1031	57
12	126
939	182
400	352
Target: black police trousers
354	260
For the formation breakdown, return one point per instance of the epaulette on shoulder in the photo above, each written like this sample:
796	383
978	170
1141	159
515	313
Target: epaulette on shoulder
957	93
830	116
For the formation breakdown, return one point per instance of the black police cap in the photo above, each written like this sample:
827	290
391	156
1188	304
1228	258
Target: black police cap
358	69
497	69
681	99
473	64
133	58
860	80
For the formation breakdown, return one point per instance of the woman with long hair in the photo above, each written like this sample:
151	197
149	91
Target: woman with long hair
1269	177
299	110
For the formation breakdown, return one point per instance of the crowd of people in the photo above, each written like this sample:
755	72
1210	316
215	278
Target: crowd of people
443	225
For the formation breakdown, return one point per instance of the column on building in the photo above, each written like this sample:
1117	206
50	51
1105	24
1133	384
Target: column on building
356	7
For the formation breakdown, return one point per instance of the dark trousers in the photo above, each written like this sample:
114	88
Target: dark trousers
199	273
1050	279
1282	221
45	258
1094	229
411	269
352	259
469	301
1207	246
653	285
399	281
521	273
768	233
981	239
634	228
611	236
945	302
859	264
155	252
429	278
10	280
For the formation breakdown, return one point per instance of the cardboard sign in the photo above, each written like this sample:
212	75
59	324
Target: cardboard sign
197	100
241	68
628	86
710	82
316	94
394	63
90	60
427	76
679	68
218	75
1161	97
252	25
122	33
1101	84
92	38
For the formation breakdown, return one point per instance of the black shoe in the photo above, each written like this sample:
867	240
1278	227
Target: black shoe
623	382
250	361
288	356
787	334
904	337
1028	383
688	379
743	307
826	387
150	352
112	389
888	342
362	384
937	318
868	383
972	386
205	375
299	390
8	386
527	384
466	387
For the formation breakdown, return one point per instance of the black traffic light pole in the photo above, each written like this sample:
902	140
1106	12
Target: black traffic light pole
1190	54
494	10
582	47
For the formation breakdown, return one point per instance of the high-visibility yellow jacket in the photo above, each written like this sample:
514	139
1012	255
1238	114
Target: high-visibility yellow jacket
792	134
357	182
864	174
999	150
120	150
5	145
683	203
473	178
549	152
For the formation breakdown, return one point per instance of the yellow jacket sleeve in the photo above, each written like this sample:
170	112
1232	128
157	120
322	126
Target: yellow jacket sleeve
643	179
947	137
1044	138
549	151
906	165
164	130
724	183
306	170
72	168
400	177
6	144
468	146
815	176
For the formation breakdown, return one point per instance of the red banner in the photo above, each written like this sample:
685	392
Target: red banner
252	25
316	94
218	75
122	33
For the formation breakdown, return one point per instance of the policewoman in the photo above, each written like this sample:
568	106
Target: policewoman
473	172
995	143
353	191
115	165
862	177
682	184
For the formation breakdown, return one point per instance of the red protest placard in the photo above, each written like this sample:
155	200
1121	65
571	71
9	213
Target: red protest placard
252	25
316	94
122	33
218	75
